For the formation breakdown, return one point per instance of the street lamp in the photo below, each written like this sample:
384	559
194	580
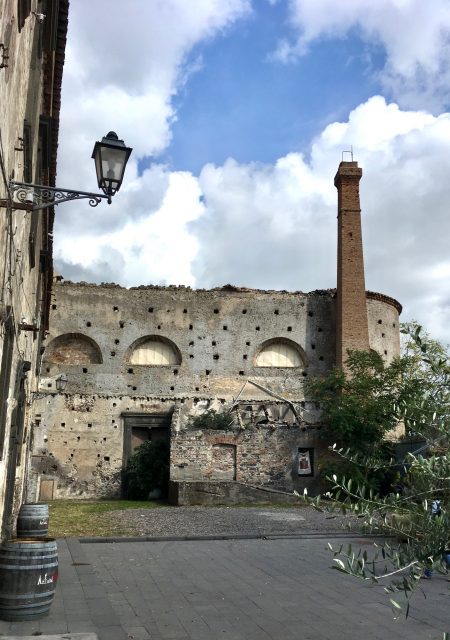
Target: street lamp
61	382
110	156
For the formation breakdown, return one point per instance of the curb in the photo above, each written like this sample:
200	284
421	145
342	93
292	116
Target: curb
231	536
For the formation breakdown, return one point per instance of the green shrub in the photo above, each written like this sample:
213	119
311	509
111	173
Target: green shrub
147	470
211	419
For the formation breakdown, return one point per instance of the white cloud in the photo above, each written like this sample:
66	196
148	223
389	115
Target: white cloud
274	226
124	65
157	248
415	36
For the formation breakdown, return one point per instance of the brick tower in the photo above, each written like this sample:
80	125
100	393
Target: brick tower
351	309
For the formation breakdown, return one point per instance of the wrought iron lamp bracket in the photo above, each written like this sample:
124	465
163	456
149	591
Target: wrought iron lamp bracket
40	197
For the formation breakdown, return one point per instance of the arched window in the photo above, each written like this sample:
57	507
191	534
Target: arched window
73	348
156	351
280	352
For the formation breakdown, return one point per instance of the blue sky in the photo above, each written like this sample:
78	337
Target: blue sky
243	104
238	112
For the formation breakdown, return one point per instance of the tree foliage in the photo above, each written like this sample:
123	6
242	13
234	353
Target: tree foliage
359	409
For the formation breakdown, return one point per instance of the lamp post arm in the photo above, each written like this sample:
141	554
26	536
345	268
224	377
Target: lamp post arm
44	197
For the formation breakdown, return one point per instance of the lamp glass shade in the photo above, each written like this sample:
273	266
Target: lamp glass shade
110	157
61	382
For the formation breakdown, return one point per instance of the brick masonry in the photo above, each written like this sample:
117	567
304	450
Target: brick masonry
352	330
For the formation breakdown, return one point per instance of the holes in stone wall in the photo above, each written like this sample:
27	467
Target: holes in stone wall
115	309
113	353
197	388
78	437
175	372
159	326
276	312
225	328
320	357
89	425
216	310
393	324
121	324
184	310
319	329
216	356
172	388
208	371
150	309
63	424
245	356
133	388
85	370
257	328
304	374
244	311
89	323
114	404
48	369
289	328
130	370
385	352
310	314
191	327
106	458
53	306
382	335
247	343
214	343
313	346
191	356
380	321
241	373
116	341
191	344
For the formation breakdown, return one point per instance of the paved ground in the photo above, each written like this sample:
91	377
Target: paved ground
248	589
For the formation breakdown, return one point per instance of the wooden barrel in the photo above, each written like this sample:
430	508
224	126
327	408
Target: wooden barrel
28	576
32	521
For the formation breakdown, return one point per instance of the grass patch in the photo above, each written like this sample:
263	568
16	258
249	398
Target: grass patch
74	518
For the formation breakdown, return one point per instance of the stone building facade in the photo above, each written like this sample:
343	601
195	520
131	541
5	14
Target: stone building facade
140	361
32	43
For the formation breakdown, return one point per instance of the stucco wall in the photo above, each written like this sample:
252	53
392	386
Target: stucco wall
28	90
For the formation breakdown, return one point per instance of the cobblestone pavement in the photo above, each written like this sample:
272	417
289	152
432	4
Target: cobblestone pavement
212	521
247	589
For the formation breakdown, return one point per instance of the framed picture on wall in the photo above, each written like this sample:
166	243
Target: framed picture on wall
305	461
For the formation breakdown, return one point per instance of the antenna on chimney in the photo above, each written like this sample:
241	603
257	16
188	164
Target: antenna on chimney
350	151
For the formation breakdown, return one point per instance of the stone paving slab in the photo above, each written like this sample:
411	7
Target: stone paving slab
250	589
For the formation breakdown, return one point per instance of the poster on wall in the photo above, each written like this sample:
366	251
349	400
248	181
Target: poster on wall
305	459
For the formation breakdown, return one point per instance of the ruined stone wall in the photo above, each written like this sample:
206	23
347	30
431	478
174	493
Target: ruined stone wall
80	440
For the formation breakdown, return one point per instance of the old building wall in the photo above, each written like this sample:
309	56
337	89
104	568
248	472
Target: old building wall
216	336
29	94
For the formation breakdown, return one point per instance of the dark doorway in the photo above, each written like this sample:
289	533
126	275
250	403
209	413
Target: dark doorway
140	428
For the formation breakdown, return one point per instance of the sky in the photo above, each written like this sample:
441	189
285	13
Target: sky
238	113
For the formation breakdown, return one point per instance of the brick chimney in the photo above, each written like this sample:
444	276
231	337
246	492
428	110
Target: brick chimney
351	309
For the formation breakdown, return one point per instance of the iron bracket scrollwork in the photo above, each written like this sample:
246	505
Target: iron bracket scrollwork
40	197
